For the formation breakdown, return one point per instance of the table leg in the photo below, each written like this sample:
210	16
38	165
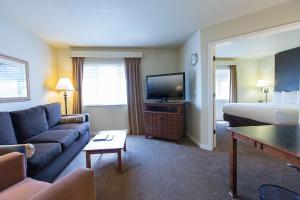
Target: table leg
120	161
233	166
88	159
125	148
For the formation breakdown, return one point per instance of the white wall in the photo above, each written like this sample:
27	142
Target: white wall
193	85
154	61
19	43
279	15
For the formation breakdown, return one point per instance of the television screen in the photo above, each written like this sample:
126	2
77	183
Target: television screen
166	86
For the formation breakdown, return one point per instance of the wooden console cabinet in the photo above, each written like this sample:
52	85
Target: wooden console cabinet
164	120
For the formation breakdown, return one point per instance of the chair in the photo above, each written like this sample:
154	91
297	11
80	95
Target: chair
275	192
15	185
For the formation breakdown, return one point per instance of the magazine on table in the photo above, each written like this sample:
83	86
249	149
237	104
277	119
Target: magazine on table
103	137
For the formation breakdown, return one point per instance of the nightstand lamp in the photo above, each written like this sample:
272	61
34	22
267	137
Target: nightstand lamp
65	85
262	84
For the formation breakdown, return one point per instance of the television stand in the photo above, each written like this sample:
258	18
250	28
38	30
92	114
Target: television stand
164	100
164	119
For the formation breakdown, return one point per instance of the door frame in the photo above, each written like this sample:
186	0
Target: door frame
211	68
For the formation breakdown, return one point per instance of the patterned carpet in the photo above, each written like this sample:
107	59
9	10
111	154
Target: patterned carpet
162	170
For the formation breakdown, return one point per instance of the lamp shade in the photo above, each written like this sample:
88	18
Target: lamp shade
262	83
64	84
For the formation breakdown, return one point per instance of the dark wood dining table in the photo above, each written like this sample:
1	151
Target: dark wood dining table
282	142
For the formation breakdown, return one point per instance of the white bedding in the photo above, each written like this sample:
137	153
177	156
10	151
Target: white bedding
271	113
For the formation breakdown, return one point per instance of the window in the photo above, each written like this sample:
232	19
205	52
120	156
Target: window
222	83
14	84
104	83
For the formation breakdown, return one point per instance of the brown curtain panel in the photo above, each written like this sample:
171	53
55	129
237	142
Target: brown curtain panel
77	81
134	96
233	84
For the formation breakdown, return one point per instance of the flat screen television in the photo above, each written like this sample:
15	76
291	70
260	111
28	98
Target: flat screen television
166	86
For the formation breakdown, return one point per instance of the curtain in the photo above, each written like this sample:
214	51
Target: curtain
233	84
77	81
134	96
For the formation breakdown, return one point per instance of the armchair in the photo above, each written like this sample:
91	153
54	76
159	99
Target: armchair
14	184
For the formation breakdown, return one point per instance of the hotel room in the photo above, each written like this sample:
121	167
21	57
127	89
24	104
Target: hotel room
119	99
257	80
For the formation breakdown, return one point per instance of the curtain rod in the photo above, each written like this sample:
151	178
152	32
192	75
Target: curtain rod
106	54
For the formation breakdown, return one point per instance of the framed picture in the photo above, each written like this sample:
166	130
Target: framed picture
14	79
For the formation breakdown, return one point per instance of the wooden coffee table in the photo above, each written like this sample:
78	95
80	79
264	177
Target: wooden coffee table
116	145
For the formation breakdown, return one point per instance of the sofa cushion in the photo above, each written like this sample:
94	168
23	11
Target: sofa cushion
7	134
28	123
64	137
53	113
80	127
44	154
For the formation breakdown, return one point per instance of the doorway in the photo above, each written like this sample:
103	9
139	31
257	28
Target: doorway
220	70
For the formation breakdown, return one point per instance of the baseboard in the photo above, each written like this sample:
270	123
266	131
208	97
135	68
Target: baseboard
206	147
194	140
198	143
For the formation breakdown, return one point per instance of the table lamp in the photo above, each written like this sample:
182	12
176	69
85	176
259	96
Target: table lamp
262	84
65	85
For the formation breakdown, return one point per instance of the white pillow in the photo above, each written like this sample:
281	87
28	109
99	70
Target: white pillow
289	97
277	97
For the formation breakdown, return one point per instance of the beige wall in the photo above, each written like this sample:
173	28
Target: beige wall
193	85
154	61
107	117
276	16
19	43
266	71
249	71
247	76
64	69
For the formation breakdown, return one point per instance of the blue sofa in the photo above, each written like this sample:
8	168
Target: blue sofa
55	144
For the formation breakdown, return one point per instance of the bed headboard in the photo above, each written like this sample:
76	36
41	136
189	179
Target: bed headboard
287	70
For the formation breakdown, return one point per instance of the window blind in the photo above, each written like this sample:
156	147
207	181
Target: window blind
12	81
222	83
104	83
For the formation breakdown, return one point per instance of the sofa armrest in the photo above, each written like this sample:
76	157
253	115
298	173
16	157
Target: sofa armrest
26	149
12	169
72	118
76	186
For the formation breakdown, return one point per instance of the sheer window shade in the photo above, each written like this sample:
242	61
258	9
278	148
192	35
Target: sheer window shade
13	82
222	84
104	83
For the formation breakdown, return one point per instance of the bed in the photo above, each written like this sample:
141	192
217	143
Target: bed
287	97
253	114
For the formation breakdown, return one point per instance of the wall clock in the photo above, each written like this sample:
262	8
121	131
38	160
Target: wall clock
194	59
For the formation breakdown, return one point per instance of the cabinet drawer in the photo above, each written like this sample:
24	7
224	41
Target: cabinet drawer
148	123
173	126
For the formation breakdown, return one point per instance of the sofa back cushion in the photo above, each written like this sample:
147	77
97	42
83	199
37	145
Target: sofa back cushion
7	134
28	123
53	113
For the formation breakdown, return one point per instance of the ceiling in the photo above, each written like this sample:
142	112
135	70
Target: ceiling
259	47
135	23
